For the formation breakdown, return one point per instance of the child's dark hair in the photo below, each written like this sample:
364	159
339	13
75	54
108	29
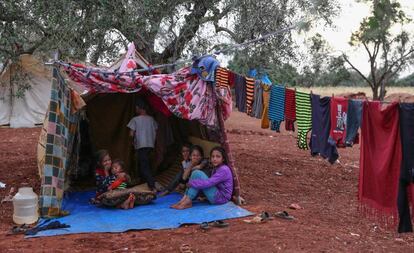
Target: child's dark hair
186	145
222	152
100	154
198	148
120	162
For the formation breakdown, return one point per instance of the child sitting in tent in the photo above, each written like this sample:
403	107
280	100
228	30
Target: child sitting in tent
102	172
118	178
143	129
218	188
193	159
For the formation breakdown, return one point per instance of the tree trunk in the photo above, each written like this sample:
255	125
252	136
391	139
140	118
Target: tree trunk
375	92
383	91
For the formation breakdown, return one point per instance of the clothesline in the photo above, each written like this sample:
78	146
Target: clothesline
152	68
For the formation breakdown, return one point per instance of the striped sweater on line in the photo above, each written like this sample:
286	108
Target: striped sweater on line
222	78
303	111
249	94
277	103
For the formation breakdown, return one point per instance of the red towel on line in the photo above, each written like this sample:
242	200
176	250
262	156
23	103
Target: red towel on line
339	110
380	158
290	110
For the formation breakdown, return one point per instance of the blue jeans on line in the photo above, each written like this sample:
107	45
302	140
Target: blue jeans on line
210	193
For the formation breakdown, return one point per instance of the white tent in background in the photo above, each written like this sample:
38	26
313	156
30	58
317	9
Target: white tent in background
24	107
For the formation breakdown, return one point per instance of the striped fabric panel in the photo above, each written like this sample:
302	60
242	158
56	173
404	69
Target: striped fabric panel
277	103
303	111
222	78
304	118
249	94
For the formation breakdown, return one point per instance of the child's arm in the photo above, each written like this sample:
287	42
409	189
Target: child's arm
203	164
116	183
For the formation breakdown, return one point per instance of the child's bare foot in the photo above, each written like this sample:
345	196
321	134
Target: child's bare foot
184	204
131	199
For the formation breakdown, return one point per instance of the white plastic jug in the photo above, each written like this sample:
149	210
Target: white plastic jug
25	206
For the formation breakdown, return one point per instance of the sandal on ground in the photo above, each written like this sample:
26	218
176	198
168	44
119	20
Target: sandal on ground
204	226
185	248
19	229
284	215
219	224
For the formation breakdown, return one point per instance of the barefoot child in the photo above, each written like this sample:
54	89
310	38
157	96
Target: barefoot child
218	188
193	159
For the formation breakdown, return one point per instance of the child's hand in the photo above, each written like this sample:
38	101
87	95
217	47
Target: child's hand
121	175
198	167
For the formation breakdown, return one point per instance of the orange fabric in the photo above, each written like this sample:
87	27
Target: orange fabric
266	97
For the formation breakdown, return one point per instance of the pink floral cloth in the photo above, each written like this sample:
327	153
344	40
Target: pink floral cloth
185	95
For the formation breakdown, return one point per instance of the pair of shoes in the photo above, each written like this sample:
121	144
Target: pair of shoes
217	224
284	215
261	218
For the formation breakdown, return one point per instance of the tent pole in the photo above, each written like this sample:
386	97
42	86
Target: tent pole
225	144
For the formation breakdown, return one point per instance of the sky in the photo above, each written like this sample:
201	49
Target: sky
349	21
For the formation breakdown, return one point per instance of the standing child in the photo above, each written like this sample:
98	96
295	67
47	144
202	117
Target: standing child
218	189
143	129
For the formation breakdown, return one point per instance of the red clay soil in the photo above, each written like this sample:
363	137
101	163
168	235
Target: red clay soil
329	221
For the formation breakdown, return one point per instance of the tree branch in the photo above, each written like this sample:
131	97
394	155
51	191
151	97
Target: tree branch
357	70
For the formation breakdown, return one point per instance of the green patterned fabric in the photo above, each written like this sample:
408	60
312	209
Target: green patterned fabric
61	130
303	118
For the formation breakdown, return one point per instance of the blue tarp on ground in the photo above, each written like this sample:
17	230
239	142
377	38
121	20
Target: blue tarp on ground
86	218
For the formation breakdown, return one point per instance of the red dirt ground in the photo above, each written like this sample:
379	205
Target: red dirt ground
329	222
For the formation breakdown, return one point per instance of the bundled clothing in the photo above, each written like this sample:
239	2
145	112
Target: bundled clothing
258	100
353	121
240	90
406	179
321	125
380	158
339	110
290	110
265	115
101	181
303	117
249	95
218	188
277	106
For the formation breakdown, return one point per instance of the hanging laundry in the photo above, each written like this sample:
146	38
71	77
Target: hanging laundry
240	90
265	115
339	110
231	76
380	158
321	125
277	106
258	100
353	121
303	117
249	95
406	187
205	67
222	78
290	110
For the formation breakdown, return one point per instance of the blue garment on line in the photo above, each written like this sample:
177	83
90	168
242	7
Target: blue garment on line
277	106
353	121
321	125
87	218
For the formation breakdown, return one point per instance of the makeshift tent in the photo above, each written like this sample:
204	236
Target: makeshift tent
186	108
24	92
